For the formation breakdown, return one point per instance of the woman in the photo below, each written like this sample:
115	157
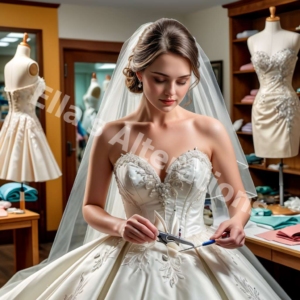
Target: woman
162	157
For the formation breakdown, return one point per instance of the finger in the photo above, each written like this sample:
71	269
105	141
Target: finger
242	242
133	238
222	227
133	230
148	224
144	232
236	234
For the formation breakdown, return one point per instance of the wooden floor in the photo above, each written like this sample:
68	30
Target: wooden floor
7	260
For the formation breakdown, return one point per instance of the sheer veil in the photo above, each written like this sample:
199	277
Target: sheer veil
205	98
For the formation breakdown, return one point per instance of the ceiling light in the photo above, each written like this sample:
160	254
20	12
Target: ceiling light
9	39
3	44
16	35
106	66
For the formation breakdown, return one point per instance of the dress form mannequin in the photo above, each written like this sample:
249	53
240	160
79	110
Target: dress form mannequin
91	101
21	70
24	151
276	109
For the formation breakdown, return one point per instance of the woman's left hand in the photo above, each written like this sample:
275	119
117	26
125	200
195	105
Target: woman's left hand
236	234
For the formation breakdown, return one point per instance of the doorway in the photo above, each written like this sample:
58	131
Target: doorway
80	62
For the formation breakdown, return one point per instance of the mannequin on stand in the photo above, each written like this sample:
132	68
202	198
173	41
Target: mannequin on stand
24	151
276	109
92	101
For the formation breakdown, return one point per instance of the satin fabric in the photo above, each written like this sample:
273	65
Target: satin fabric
25	154
112	269
276	109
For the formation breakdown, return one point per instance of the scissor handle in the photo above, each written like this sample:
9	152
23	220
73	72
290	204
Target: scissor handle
208	242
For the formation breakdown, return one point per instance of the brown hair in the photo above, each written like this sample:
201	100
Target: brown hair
162	36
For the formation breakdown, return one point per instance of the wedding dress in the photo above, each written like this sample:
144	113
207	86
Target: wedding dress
276	109
111	268
25	154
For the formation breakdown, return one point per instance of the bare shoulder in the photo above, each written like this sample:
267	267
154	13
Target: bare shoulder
209	126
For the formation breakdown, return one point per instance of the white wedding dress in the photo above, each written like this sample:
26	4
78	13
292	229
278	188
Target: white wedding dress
111	268
25	154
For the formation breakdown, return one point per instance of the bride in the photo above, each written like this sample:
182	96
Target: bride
165	160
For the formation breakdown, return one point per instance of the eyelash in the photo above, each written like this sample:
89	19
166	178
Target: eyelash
158	81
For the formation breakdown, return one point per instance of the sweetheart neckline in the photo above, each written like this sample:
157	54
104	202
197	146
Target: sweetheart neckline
271	56
169	167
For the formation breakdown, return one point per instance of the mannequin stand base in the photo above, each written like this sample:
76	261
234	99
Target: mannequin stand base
277	209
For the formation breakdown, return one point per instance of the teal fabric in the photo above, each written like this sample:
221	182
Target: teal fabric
261	212
11	192
276	222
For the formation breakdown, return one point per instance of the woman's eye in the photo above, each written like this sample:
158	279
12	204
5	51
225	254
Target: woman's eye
158	81
182	83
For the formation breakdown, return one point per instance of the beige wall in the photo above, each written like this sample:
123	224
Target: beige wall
103	23
211	29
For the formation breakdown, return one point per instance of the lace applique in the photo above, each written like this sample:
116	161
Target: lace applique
247	289
100	258
283	61
78	290
104	254
139	256
171	269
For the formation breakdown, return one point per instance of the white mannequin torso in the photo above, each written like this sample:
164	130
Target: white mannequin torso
20	71
273	39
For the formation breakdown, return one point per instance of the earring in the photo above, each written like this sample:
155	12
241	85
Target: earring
140	85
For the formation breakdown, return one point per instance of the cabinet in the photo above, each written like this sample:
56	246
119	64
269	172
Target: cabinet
248	15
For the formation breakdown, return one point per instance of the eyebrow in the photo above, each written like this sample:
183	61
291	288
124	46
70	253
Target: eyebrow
169	76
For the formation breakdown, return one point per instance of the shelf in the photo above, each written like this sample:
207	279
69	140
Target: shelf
243	104
244	72
242	40
243	133
285	170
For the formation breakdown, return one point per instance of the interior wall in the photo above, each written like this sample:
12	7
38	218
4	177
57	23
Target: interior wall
211	30
45	19
104	23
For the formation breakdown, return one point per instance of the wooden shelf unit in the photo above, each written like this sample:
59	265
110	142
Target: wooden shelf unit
249	15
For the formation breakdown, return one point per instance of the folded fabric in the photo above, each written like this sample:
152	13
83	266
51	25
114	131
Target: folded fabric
251	158
238	124
247	100
291	233
11	192
246	33
247	127
245	67
260	212
276	166
254	92
266	190
293	203
276	222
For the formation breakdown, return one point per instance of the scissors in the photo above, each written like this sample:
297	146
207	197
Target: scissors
165	238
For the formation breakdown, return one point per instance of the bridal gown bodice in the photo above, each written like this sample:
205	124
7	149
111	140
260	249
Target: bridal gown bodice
178	199
24	151
276	109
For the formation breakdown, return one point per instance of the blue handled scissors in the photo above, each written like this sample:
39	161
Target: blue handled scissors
165	238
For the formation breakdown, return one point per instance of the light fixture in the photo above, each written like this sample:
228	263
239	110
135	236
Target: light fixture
9	39
16	35
106	67
3	44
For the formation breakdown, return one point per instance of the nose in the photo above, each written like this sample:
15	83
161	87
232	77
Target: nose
170	89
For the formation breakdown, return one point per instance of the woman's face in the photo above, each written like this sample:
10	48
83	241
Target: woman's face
167	78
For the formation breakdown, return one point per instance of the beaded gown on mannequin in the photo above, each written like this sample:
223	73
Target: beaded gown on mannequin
108	266
24	151
276	109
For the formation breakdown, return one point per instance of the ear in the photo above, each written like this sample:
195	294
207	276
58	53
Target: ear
139	75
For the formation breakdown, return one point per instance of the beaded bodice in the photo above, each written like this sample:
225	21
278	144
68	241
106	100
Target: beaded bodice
22	104
275	74
179	199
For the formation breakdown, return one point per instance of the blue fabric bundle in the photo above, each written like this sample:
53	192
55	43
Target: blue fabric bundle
11	192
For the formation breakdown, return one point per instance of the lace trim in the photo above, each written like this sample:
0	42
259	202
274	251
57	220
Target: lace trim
246	288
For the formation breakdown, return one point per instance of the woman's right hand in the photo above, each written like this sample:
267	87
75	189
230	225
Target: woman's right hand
138	230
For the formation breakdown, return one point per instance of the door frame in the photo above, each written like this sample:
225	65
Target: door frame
69	47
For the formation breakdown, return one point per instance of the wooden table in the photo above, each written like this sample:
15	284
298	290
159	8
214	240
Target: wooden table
282	254
25	227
